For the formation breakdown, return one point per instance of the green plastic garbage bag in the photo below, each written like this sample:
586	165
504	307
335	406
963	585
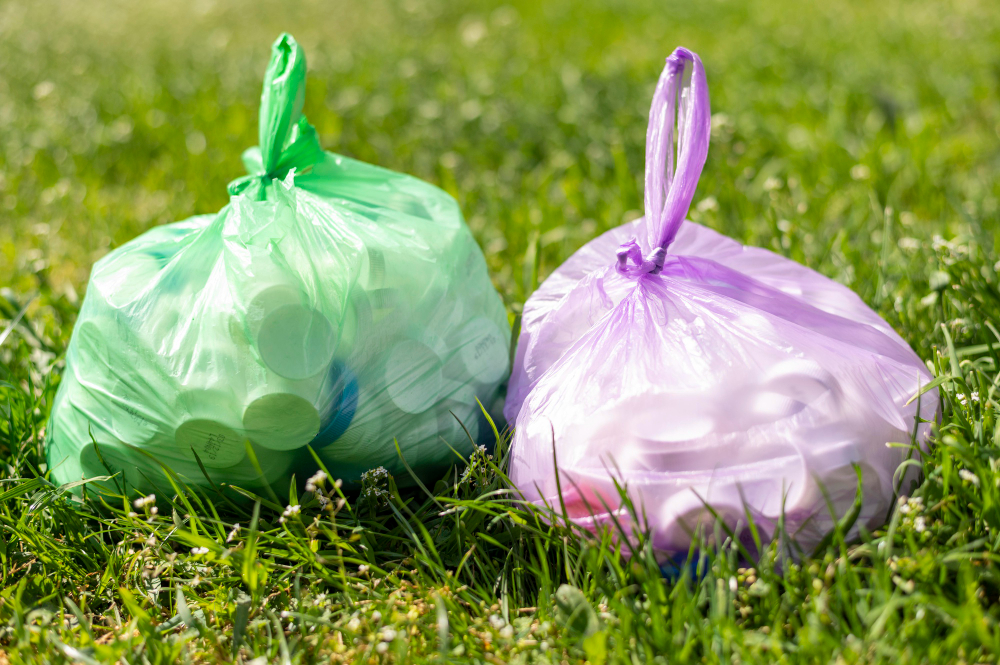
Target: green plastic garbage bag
330	304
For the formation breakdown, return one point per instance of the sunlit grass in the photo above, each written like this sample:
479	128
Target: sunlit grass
860	139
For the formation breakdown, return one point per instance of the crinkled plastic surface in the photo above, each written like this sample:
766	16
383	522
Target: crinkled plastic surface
711	374
330	304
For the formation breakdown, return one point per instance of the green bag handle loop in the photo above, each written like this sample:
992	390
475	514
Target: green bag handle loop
287	140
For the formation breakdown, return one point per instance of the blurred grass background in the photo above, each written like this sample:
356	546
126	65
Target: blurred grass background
859	138
116	116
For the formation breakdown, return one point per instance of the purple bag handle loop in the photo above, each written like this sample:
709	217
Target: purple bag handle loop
682	92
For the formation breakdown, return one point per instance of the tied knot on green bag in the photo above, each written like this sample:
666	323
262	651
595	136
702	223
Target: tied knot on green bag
287	140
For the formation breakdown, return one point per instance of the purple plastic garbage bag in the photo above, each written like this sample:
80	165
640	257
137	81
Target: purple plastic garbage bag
693	370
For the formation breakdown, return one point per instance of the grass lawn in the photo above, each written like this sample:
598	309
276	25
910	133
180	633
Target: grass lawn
859	138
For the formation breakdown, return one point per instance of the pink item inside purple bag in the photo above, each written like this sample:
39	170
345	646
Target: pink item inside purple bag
693	370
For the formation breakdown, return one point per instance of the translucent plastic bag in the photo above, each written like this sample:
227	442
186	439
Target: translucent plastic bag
330	304
713	374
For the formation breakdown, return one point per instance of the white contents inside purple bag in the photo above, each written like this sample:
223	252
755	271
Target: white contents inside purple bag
698	372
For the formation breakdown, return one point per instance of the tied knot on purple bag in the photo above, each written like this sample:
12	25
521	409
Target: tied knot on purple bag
632	264
676	148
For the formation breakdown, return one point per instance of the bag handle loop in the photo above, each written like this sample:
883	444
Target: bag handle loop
671	179
286	139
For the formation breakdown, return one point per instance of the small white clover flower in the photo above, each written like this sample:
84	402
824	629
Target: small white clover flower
363	568
507	632
353	624
315	481
382	647
197	551
144	501
388	634
376	616
919	524
968	476
913	505
974	396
